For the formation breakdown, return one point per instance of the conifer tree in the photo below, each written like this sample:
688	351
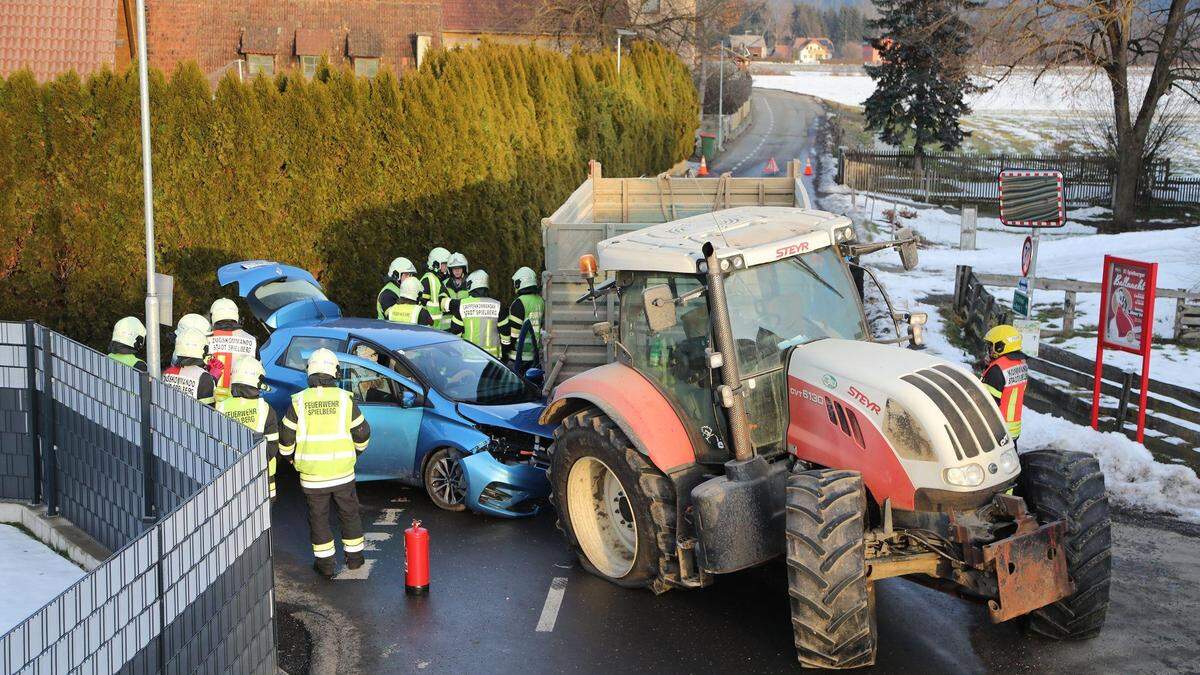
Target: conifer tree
924	79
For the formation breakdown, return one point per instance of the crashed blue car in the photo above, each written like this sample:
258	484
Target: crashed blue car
444	414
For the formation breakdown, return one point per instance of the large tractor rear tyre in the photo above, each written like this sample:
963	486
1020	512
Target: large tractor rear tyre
833	602
616	510
1069	485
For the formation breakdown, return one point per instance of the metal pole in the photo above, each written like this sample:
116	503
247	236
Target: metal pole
618	54
721	101
153	361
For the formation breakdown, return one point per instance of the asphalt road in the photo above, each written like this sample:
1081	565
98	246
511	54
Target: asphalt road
781	127
492	580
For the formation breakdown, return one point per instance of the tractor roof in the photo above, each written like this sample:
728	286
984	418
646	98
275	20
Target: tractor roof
760	234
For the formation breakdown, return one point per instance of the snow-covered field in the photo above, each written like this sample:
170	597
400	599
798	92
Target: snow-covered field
31	574
1055	113
1134	478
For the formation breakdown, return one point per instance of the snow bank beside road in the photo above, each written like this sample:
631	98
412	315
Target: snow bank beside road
31	575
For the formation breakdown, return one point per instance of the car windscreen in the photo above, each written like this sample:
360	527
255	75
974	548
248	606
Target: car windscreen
467	374
270	297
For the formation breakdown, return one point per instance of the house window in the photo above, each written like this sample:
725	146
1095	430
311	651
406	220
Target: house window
263	64
308	66
650	6
366	66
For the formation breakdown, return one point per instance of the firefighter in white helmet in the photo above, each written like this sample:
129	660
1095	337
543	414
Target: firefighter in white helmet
201	325
398	271
477	318
408	308
433	284
525	313
188	372
323	433
128	339
456	282
246	405
228	343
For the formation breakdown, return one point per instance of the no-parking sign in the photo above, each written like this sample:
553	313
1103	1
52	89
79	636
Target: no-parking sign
1026	256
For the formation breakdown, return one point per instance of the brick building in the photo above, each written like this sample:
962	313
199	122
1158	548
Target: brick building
51	37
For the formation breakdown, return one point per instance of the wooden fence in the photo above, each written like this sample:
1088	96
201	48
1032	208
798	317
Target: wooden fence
965	178
1061	383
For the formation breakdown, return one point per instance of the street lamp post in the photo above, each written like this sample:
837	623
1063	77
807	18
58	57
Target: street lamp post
153	360
622	33
721	99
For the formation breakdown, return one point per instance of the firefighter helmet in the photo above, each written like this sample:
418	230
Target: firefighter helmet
437	257
323	362
477	280
223	309
524	278
410	289
401	266
458	260
193	322
248	371
190	344
1003	339
129	332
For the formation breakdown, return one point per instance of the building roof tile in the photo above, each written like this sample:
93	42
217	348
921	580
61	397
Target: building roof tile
51	37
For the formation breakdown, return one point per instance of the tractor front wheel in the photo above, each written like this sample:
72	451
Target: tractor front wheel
615	508
833	602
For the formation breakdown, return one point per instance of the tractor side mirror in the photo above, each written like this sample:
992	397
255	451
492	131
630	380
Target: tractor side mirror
907	248
659	304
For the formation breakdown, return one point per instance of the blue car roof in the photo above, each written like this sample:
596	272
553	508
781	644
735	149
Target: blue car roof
385	333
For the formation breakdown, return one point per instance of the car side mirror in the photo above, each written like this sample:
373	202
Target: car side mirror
907	248
659	304
411	399
537	376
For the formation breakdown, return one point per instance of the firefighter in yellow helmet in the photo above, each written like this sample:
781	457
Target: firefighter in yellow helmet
1006	374
433	285
188	372
408	307
228	343
246	405
323	433
128	338
398	271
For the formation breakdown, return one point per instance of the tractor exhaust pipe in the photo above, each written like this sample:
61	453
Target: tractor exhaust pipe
730	391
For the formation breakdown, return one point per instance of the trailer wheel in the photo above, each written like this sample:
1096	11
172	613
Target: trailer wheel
1069	485
616	510
833	603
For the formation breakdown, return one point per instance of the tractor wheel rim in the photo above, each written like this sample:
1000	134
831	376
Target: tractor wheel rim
602	517
447	481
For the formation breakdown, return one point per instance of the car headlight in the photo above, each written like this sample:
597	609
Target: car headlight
1009	463
970	475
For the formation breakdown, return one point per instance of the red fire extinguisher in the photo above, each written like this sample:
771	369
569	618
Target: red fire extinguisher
416	558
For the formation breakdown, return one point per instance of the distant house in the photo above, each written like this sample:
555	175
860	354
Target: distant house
752	46
782	52
870	55
812	49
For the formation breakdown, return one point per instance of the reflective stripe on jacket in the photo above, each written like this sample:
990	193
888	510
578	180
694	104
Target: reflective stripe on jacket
325	452
480	319
533	309
253	413
431	297
1013	376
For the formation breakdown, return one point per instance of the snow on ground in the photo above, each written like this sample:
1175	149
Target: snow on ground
31	574
1054	113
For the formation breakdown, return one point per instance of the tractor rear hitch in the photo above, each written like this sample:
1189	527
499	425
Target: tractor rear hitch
1031	571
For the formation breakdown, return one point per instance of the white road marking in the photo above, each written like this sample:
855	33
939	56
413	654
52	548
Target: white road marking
373	539
554	598
360	574
770	129
388	518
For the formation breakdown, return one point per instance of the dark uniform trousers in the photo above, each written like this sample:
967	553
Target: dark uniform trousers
342	498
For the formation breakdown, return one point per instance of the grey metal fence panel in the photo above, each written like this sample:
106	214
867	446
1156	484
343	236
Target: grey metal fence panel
17	440
190	592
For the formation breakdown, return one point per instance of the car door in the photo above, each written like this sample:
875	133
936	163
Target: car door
394	407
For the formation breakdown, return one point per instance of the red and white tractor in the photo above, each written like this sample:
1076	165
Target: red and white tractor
749	415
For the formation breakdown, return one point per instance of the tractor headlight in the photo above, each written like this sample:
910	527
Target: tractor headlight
1009	463
970	475
844	234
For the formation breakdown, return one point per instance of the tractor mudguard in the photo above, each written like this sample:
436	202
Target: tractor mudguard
635	405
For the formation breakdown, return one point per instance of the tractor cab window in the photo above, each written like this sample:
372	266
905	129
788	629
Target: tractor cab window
674	358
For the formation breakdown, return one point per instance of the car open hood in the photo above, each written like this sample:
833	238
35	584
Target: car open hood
521	417
251	275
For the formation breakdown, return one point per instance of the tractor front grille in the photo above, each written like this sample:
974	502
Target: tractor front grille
973	422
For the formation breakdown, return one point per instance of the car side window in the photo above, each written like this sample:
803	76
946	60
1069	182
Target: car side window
367	386
368	351
301	346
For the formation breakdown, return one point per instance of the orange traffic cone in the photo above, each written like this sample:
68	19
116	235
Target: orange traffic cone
807	166
703	167
771	168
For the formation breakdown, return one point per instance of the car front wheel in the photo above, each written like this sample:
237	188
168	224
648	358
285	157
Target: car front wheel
445	482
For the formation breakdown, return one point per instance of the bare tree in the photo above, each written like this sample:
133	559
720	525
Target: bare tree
1117	37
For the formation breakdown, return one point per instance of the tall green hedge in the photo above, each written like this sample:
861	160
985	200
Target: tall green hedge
337	175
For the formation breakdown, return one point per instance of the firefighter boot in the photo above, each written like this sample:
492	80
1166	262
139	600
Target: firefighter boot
354	560
324	567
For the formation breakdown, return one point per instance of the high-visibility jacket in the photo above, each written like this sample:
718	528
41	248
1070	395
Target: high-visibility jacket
130	360
431	297
403	312
226	347
1006	379
380	310
479	320
528	308
258	416
195	381
324	449
452	293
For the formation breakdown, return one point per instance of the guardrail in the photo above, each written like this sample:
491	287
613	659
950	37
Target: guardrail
1061	382
176	490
